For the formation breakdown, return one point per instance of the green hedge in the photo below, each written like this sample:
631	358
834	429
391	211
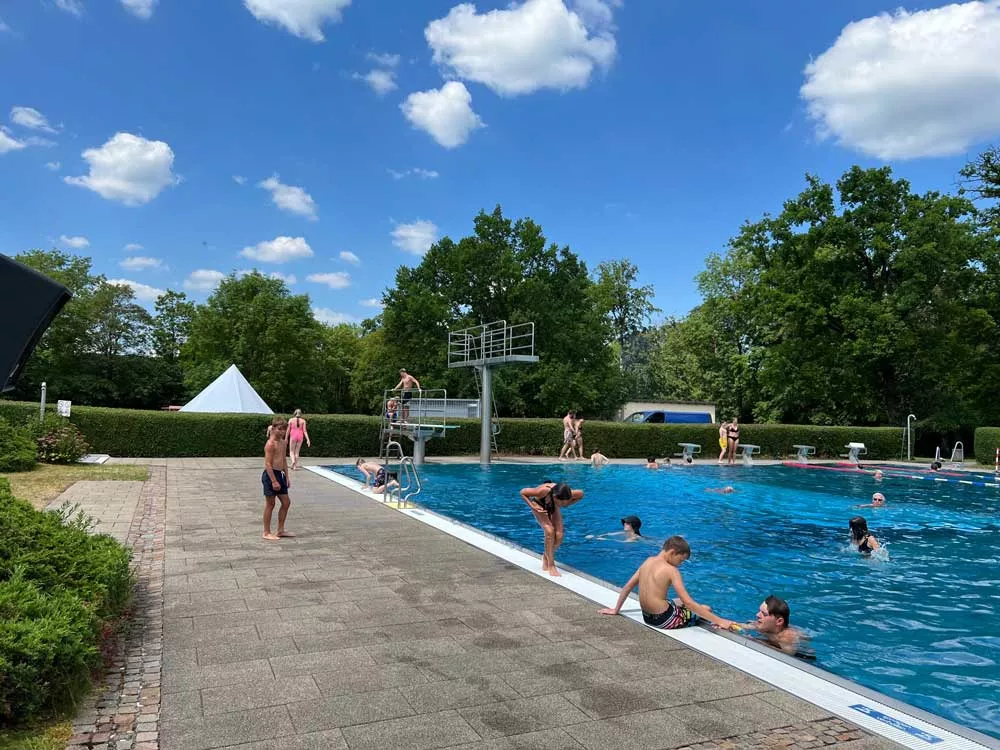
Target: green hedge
59	587
986	442
124	432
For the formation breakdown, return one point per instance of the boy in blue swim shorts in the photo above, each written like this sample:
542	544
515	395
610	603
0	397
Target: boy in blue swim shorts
655	577
275	479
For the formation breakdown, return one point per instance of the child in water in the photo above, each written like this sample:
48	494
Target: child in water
862	539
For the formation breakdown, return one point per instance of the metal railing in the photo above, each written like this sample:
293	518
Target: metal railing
491	343
425	409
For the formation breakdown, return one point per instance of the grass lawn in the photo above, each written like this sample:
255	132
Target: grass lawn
51	737
46	482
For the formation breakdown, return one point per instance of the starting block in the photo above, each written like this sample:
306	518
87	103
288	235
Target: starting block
854	450
747	452
803	453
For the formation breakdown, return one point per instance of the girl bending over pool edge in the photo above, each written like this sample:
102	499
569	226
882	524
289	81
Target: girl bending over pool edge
546	502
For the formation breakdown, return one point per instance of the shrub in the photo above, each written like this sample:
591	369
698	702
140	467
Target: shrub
17	450
63	444
985	444
125	432
58	586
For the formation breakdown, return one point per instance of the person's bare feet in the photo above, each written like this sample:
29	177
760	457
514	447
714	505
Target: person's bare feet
554	572
286	535
271	537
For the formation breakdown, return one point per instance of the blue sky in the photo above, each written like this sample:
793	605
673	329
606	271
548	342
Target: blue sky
361	130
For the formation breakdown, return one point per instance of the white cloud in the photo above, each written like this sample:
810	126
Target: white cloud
372	302
445	113
331	318
141	263
288	278
380	81
28	117
416	237
143	292
383	60
9	142
424	174
132	247
906	85
140	8
290	198
3	27
53	165
303	18
128	168
348	257
529	46
335	280
77	243
73	7
203	280
279	250
239	179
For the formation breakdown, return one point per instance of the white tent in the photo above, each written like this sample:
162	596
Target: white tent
230	393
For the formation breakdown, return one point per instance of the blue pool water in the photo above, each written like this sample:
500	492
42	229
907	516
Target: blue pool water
921	626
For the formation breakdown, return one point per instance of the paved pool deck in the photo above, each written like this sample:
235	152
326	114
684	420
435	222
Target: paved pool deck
372	630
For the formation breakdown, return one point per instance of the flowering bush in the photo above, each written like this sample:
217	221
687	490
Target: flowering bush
62	444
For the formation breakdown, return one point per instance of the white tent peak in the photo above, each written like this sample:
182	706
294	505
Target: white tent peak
230	393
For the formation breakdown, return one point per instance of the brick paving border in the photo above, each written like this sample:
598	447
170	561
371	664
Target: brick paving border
805	736
123	713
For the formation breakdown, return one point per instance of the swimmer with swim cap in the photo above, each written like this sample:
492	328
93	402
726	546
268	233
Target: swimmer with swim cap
878	501
878	475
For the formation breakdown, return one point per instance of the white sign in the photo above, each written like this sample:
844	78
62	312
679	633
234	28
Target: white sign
63	407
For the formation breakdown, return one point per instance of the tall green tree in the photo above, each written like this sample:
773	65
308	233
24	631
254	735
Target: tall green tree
255	323
627	305
504	270
172	324
117	324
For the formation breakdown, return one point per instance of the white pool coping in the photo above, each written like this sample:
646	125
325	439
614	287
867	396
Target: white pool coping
877	713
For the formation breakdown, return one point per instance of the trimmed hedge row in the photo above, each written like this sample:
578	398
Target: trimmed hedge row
126	432
60	586
986	442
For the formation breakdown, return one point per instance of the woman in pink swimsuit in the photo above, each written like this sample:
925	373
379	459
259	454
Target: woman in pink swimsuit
297	432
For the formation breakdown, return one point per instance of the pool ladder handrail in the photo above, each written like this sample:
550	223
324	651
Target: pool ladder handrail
407	479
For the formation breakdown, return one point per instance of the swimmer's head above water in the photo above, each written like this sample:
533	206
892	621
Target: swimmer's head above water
878	475
773	615
878	499
632	524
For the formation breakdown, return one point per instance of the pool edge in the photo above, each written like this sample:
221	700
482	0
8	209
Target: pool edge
824	689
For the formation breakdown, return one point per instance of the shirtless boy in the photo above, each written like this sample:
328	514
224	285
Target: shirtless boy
406	384
275	479
655	577
369	468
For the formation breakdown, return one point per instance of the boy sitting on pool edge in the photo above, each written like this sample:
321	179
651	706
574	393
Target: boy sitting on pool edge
654	578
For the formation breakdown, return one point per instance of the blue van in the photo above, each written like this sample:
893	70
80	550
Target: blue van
670	417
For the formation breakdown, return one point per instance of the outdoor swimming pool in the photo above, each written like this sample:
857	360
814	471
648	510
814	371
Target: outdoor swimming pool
921	626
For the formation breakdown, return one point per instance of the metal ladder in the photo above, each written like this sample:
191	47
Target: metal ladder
495	426
407	478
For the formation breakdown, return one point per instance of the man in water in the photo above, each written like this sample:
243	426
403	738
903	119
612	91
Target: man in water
727	490
878	500
275	479
651	463
598	459
655	577
773	625
406	384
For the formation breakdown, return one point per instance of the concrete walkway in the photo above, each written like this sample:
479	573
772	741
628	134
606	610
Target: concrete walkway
370	630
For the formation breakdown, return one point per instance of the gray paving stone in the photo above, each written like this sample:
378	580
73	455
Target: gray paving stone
197	639
550	739
458	666
799	708
236	651
379	677
181	705
225	730
345	710
616	698
652	729
331	739
321	661
412	652
732	716
501	639
195	678
522	716
241	696
448	694
423	732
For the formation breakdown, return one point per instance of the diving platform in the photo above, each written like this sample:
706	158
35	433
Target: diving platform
418	415
420	434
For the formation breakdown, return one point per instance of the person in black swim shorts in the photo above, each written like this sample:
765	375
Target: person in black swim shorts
655	577
406	384
275	479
